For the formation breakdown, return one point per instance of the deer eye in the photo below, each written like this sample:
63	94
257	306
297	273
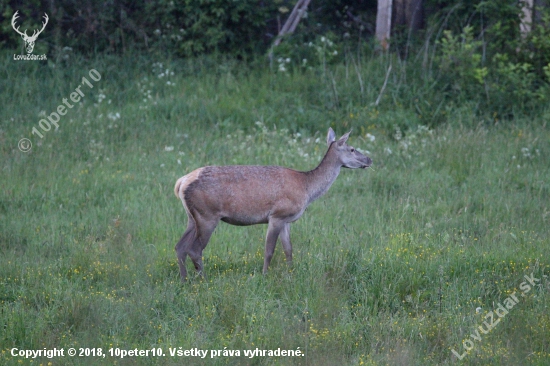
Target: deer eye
352	149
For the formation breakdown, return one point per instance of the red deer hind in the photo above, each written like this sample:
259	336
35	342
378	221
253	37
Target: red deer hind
249	194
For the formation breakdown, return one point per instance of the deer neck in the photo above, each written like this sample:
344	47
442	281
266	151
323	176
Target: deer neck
321	178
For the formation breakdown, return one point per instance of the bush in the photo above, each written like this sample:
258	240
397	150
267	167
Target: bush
183	27
197	27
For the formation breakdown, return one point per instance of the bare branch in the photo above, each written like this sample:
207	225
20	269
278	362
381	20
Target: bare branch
383	86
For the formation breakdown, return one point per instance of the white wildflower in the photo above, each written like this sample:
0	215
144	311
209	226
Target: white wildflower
113	116
398	134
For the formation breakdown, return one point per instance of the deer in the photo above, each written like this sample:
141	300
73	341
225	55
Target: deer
29	41
245	195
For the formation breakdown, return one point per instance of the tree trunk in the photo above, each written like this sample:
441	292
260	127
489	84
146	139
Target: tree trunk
383	22
526	18
409	13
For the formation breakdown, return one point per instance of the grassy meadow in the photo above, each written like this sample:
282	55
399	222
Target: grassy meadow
396	265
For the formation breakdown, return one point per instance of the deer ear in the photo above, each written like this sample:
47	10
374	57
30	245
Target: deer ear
343	139
331	136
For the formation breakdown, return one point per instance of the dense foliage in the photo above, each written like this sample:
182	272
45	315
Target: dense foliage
467	52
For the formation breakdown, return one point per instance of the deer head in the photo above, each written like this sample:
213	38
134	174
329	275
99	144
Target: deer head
29	41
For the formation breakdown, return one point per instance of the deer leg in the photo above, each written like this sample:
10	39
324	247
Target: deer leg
182	246
273	229
287	245
204	232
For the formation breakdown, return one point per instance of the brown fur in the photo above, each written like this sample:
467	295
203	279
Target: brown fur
250	194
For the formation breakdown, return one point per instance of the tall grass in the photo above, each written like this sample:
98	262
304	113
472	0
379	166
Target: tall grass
390	266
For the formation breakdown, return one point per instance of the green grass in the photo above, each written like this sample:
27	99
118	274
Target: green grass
389	266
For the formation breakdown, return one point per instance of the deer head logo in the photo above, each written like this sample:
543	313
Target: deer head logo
29	41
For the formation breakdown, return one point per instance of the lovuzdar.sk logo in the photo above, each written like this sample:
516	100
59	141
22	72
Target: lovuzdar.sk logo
29	40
